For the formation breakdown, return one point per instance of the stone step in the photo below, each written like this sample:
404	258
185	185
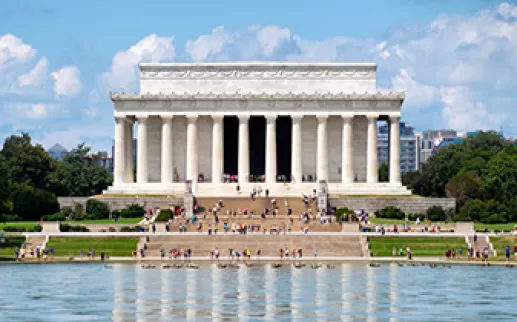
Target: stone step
269	244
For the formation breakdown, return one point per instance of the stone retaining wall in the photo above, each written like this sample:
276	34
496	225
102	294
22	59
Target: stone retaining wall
406	204
122	202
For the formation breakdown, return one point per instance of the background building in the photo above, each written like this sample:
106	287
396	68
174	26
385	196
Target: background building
409	147
104	160
431	139
57	151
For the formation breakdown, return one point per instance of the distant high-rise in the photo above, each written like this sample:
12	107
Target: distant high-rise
409	147
431	139
57	151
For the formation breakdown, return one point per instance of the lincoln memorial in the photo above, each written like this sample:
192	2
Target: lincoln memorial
284	127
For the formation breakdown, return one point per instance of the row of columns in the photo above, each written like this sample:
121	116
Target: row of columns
123	168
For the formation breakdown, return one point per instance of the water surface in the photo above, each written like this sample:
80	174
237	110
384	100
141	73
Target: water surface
82	292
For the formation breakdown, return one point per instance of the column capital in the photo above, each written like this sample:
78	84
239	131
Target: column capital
243	118
142	117
217	117
297	118
166	117
192	117
395	117
271	117
372	116
347	117
322	117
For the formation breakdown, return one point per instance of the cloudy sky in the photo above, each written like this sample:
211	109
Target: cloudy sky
457	59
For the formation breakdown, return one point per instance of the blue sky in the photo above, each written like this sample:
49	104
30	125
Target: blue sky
457	59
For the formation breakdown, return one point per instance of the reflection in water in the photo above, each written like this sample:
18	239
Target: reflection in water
393	291
270	292
72	292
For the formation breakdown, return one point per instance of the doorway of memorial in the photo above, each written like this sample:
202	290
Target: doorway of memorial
283	148
230	147
257	135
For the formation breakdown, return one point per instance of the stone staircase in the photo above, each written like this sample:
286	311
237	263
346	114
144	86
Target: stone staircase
481	243
202	245
258	205
34	241
313	226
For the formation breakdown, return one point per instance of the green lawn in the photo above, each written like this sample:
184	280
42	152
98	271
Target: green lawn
500	244
385	221
11	243
420	246
106	221
110	246
25	224
492	227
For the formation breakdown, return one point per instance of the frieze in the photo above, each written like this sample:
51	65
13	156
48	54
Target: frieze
258	72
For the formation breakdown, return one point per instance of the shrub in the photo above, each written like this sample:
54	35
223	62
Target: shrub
345	212
71	228
55	217
112	229
32	204
132	211
35	229
97	209
165	215
9	217
390	212
436	213
129	229
14	229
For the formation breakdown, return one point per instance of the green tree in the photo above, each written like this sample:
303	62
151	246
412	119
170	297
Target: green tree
5	188
31	165
464	186
83	175
32	204
383	172
500	176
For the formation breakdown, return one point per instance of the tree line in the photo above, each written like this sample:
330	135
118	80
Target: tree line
31	179
480	172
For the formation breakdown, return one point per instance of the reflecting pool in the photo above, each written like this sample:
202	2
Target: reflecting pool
90	292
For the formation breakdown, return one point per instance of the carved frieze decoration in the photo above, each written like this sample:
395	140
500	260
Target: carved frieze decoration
257	72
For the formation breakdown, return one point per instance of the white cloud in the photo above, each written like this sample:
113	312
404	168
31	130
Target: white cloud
463	112
19	112
36	76
124	69
418	95
207	45
67	81
271	38
13	51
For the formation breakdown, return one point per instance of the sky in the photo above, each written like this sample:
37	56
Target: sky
455	59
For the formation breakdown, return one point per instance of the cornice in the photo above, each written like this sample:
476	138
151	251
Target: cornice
390	96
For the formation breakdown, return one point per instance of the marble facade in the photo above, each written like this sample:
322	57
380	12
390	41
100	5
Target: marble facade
178	120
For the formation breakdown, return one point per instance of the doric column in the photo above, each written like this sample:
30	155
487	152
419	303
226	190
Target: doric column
217	148
371	147
120	162
322	153
394	149
142	174
192	169
296	153
167	149
130	162
347	155
271	148
243	171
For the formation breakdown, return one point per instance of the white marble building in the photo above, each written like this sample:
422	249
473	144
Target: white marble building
182	119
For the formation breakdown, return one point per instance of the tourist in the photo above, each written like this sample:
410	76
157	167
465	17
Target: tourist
394	251
515	252
507	253
409	255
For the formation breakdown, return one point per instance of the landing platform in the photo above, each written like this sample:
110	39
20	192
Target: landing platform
207	189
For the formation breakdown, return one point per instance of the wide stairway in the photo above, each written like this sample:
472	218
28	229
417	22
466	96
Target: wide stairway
480	244
257	206
34	241
268	244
